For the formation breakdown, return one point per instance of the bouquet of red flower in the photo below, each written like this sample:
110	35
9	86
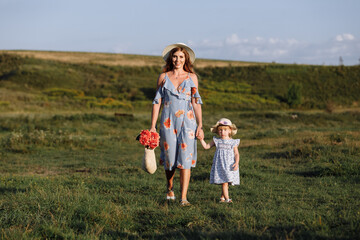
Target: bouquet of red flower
150	140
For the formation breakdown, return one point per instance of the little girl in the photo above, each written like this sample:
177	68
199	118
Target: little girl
225	167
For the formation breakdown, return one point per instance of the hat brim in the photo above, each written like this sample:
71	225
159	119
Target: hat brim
167	50
232	126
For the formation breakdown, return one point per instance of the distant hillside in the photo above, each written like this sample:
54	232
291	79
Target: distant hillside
32	80
112	59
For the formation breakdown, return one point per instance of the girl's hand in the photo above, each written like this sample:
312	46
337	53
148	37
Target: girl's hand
235	166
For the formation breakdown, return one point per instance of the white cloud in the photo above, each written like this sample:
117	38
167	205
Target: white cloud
281	50
344	37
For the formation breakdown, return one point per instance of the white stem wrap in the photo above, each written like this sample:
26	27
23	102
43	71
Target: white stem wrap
149	161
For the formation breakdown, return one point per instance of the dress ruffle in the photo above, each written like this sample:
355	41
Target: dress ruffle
186	90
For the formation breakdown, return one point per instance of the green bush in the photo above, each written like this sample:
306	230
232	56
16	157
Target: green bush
62	92
110	103
294	96
4	103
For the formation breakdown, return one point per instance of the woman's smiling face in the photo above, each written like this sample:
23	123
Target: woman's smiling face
178	60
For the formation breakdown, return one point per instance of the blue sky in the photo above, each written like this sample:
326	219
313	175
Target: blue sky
283	31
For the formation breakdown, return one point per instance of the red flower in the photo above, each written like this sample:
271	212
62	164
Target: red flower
183	146
149	139
179	113
154	140
167	123
166	146
193	90
193	162
190	115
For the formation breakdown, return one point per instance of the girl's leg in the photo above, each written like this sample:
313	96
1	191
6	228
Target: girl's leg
184	182
225	190
170	182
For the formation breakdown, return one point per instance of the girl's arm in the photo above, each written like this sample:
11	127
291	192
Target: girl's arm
237	158
156	107
207	145
197	110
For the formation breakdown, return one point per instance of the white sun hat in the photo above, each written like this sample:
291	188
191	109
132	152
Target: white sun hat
224	122
167	49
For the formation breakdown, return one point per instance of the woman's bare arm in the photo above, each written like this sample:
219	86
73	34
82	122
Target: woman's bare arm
156	107
197	110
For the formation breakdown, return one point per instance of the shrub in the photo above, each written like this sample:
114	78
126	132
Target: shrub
294	94
4	103
62	92
110	103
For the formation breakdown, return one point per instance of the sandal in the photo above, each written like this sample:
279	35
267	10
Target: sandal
184	203
228	201
222	200
170	197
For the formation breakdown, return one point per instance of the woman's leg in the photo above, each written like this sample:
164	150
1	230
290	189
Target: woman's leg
170	182
184	182
225	190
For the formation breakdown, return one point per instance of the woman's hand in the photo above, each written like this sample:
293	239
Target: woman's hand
152	129
199	133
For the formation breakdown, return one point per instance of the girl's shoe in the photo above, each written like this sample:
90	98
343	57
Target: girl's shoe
228	201
222	200
184	203
170	197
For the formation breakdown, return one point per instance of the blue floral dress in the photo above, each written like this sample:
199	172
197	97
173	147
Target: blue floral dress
224	158
177	124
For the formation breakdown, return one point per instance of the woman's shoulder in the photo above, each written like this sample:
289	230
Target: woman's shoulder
162	75
161	79
193	75
194	79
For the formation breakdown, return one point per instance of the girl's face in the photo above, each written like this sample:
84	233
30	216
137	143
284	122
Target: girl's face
224	132
178	60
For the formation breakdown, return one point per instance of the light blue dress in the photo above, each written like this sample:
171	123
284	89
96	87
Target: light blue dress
224	158
178	124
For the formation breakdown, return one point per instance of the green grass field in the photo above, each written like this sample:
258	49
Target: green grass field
77	175
71	169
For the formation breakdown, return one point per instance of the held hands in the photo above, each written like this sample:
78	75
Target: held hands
199	133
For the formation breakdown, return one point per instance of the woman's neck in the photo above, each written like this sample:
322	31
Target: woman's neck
178	72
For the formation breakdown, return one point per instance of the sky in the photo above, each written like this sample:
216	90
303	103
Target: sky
317	32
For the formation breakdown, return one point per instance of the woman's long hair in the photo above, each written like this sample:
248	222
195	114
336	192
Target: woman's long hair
188	67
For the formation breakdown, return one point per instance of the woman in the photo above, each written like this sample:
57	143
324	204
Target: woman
181	118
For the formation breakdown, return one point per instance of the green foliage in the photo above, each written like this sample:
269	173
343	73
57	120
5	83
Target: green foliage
253	87
4	103
110	103
294	95
64	92
322	83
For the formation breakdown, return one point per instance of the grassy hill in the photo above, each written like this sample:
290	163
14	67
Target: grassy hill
71	169
34	79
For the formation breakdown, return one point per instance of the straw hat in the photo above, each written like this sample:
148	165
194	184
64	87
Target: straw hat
224	122
166	51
